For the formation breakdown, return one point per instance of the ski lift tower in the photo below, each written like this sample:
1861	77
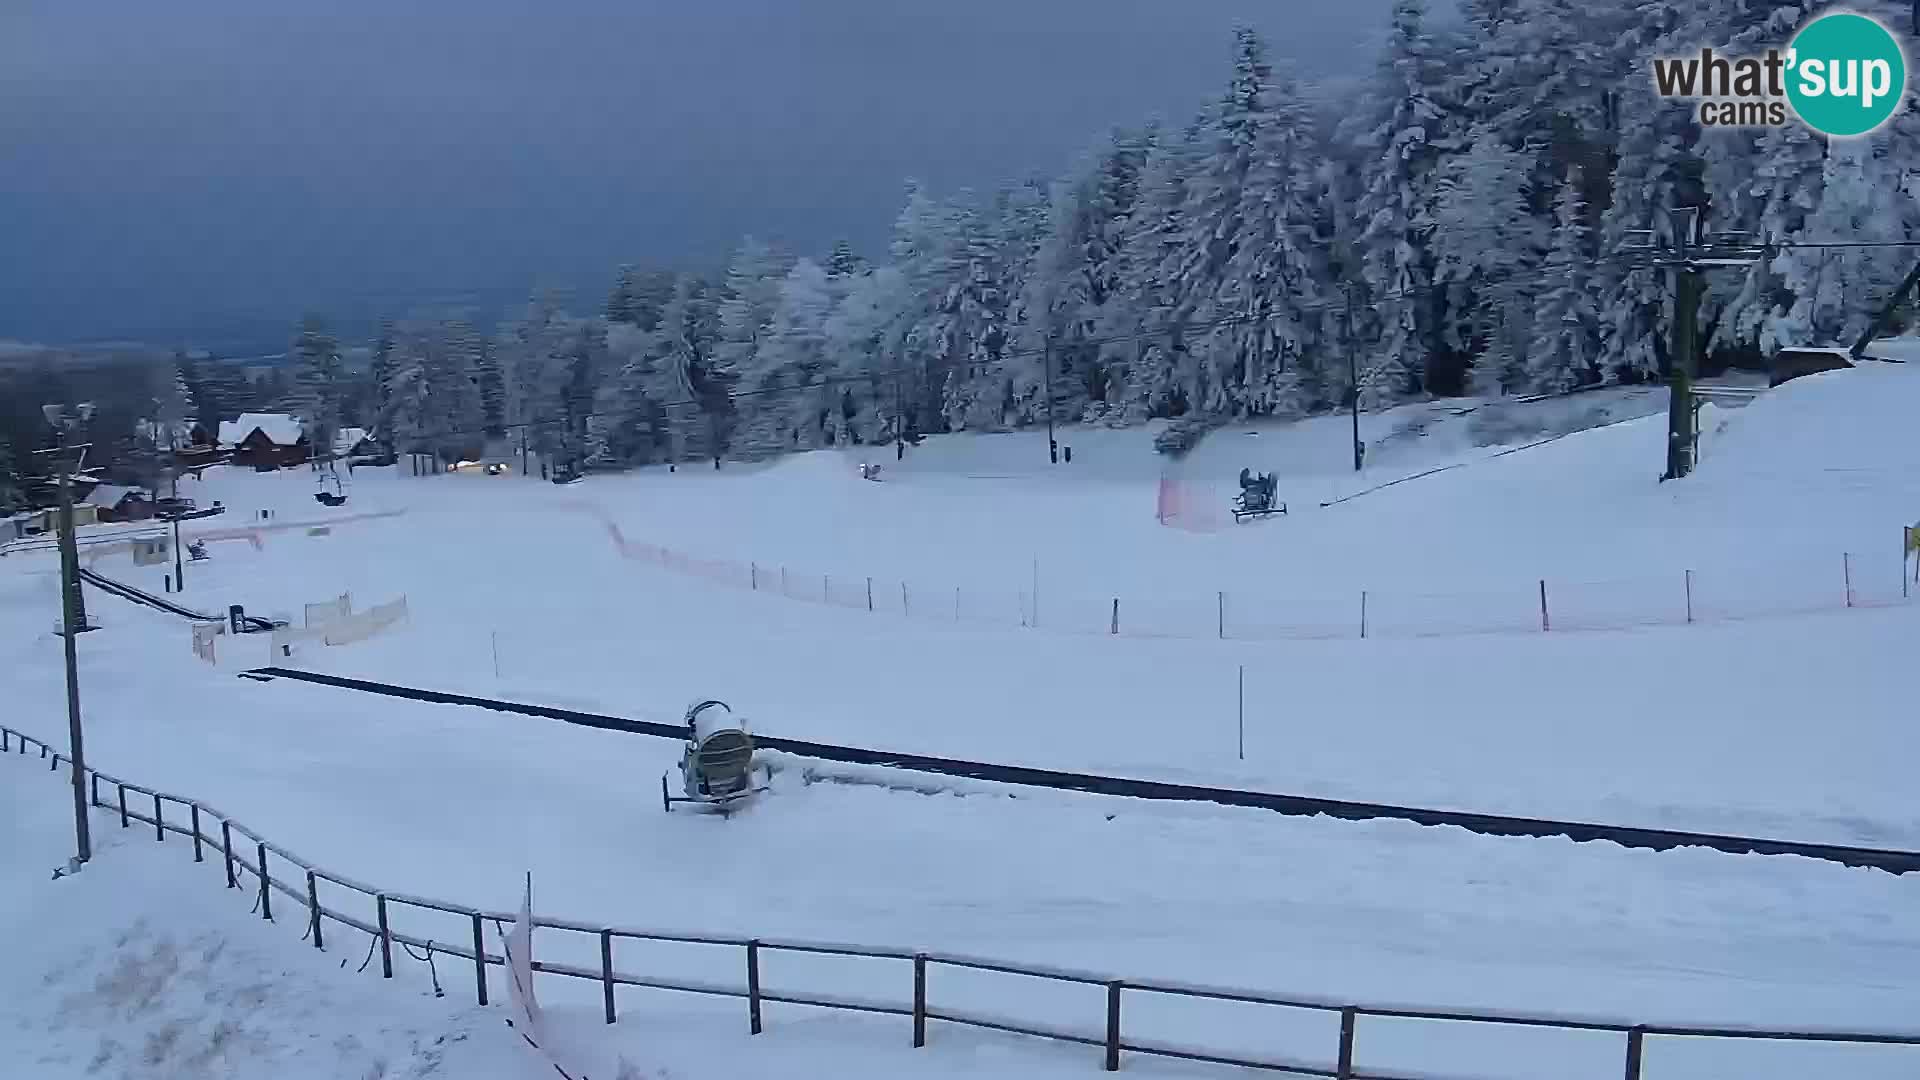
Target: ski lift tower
1689	251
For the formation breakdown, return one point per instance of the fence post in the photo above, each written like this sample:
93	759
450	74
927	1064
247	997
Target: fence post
3	731
386	936
905	608
919	999
1636	1039
313	909
159	829
956	603
1113	1026
1544	624
606	971
479	961
1220	604
869	594
826	589
783	581
123	805
266	883
753	576
226	852
1363	614
753	986
1344	1070
1846	574
1114	627
1689	596
193	819
95	781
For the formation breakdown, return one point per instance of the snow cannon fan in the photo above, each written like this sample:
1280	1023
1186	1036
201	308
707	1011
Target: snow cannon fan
717	768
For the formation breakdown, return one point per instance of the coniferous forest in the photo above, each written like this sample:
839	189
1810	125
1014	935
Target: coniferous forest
1450	225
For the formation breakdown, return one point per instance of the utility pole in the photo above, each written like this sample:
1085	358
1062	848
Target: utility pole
179	568
73	618
1353	379
1053	447
1688	252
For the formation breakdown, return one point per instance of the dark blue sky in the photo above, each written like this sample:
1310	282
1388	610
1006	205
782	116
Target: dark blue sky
204	171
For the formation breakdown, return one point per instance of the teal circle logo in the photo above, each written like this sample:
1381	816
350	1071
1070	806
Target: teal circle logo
1846	74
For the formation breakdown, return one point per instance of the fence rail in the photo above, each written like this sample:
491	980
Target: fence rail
211	834
1683	597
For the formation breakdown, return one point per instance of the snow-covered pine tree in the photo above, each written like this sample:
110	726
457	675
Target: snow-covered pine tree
621	299
861	342
12	495
1787	173
1487	246
926	248
1150	293
409	391
685	386
1656	170
317	383
1565	351
1867	195
380	374
173	410
844	262
751	293
1401	145
1278	270
792	404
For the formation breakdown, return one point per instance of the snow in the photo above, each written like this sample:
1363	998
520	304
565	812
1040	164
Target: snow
279	428
106	496
1791	723
1904	349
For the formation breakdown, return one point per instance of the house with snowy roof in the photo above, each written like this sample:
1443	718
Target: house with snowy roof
113	503
265	440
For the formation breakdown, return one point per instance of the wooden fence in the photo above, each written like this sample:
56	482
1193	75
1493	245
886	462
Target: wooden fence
247	860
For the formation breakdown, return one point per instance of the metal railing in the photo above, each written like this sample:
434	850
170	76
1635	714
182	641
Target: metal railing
248	867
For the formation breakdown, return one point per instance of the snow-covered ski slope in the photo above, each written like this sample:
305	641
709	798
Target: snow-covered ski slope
1793	726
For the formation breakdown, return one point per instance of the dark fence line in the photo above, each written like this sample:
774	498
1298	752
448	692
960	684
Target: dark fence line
1891	860
299	879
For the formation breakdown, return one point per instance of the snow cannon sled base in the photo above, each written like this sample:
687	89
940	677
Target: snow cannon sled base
717	769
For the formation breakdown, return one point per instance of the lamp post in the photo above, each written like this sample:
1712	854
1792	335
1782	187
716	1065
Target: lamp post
73	618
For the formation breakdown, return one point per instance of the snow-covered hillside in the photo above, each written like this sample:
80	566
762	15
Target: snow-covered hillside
1787	725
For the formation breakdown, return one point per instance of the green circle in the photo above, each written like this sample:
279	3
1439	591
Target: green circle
1854	54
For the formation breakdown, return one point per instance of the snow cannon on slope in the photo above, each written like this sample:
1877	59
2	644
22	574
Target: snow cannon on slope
1256	498
717	769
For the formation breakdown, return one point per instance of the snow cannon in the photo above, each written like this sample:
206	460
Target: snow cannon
717	769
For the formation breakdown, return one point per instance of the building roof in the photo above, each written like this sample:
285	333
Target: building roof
107	496
279	428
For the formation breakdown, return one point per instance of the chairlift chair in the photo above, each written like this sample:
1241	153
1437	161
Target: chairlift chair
337	496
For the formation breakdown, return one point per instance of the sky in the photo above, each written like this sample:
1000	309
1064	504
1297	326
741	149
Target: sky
204	172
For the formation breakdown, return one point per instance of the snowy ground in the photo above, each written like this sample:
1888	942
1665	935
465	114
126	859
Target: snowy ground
1794	727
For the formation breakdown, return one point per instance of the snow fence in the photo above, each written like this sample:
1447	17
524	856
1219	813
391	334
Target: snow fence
1679	597
1112	1016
